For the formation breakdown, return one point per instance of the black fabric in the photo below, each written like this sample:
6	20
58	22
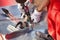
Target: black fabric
21	25
20	1
43	36
5	10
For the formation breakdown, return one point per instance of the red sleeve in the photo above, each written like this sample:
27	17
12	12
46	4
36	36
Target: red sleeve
7	2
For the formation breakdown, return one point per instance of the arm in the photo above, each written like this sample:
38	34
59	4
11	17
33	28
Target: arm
40	4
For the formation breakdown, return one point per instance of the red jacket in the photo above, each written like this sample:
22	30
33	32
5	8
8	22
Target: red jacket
54	19
7	2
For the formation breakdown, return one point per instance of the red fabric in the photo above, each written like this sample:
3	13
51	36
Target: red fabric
54	19
10	36
7	2
31	1
26	8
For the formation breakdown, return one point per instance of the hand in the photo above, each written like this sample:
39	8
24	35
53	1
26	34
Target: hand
40	4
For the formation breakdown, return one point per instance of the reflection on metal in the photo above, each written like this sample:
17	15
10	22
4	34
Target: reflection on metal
15	32
12	28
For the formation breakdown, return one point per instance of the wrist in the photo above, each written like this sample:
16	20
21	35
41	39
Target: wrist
39	9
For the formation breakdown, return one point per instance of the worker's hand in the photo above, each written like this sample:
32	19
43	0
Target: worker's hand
40	4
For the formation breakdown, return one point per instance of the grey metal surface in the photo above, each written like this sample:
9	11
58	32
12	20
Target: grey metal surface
28	36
